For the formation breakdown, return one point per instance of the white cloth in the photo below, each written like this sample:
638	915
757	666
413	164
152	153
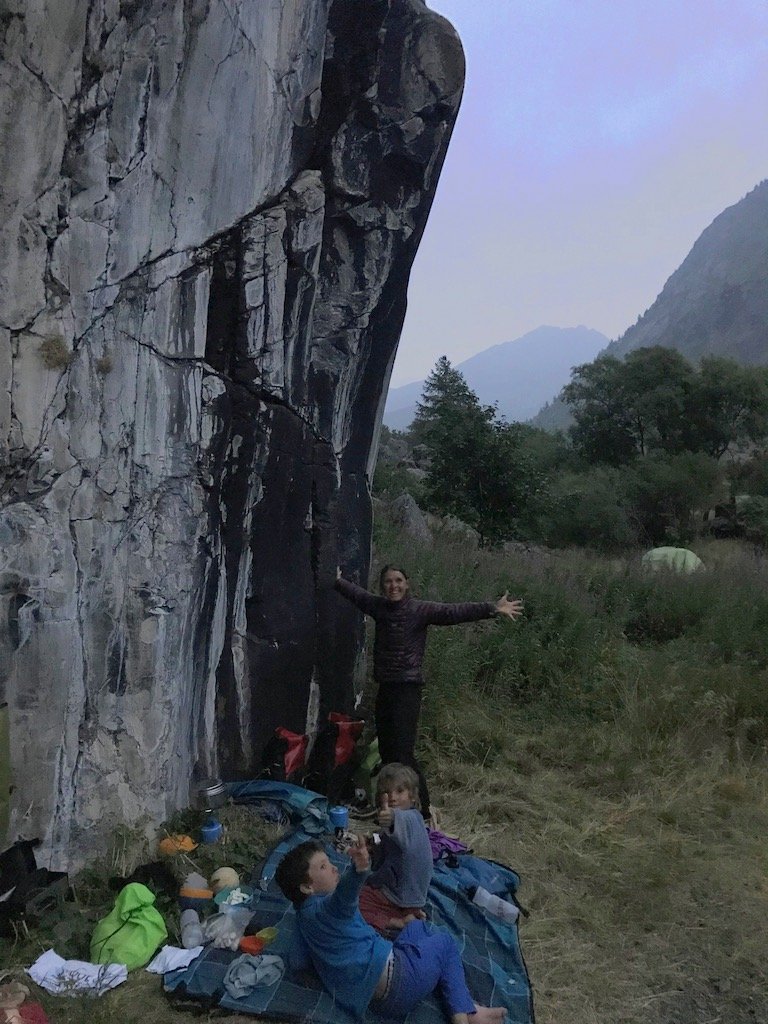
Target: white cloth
171	958
71	977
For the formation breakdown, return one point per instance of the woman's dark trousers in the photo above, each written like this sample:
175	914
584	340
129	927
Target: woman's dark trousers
398	706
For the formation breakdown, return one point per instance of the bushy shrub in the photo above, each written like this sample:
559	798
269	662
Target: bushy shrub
389	480
663	606
664	493
590	510
754	514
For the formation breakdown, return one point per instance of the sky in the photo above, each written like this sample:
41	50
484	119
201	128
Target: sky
595	142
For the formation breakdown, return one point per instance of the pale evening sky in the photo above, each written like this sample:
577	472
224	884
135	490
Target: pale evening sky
596	140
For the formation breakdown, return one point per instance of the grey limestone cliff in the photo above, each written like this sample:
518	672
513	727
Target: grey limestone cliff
209	213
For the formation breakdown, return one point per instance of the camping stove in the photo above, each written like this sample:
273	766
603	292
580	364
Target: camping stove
210	795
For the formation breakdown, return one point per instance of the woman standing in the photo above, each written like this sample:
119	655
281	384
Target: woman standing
398	654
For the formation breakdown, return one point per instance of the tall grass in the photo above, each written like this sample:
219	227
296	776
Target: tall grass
600	640
612	745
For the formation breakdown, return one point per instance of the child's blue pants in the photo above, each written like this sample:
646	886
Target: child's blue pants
425	960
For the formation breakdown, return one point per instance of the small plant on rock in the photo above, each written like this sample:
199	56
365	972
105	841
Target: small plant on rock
54	352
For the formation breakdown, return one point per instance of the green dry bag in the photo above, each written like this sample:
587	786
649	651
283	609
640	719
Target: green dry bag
131	931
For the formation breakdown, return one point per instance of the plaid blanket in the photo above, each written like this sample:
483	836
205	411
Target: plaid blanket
496	972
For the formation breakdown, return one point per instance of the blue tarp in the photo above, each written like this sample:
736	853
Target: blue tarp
496	972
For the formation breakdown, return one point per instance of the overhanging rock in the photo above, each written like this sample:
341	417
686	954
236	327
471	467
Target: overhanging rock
210	213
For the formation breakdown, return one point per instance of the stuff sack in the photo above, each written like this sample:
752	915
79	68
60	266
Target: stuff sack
131	932
283	756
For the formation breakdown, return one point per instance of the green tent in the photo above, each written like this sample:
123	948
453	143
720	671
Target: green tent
679	559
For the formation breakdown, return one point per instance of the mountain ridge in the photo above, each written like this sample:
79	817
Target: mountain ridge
538	364
714	304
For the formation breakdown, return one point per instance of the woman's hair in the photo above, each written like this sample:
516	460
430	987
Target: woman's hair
396	774
293	871
390	568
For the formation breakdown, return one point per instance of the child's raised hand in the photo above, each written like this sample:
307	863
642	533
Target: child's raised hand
359	854
385	815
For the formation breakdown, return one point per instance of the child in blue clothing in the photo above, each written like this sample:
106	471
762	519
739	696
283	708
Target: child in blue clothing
356	965
396	891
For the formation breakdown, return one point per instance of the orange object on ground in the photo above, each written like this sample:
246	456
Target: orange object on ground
196	894
177	844
251	944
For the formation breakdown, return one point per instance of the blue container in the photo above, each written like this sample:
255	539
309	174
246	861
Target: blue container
339	818
211	832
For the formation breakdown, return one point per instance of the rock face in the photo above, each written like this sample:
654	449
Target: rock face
210	210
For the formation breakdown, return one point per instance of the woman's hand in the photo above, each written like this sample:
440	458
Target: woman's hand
338	572
512	609
359	854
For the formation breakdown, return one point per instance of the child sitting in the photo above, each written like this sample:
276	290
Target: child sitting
396	891
356	965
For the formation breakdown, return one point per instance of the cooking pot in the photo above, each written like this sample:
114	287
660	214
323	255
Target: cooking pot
210	794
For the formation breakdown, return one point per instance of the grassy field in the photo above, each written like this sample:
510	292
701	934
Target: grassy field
612	747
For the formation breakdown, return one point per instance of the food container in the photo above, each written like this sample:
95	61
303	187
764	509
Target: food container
195	899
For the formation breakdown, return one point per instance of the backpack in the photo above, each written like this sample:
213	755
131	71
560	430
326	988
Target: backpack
334	758
283	756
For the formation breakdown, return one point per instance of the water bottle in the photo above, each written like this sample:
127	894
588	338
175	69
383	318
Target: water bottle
191	932
495	905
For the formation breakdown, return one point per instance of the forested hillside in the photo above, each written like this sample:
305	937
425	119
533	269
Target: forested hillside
716	302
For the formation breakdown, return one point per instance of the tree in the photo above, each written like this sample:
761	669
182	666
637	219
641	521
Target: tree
728	409
451	423
603	431
656	402
477	470
630	408
665	494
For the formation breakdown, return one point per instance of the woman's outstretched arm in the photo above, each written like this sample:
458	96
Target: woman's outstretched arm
361	598
434	613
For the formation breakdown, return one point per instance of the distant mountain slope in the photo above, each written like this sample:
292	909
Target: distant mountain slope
519	375
716	302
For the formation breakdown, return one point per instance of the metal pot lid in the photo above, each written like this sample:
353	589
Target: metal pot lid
211	792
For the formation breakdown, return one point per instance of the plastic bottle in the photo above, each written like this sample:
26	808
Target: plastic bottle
495	905
191	932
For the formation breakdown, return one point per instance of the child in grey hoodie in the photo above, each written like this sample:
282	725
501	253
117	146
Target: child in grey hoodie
396	891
